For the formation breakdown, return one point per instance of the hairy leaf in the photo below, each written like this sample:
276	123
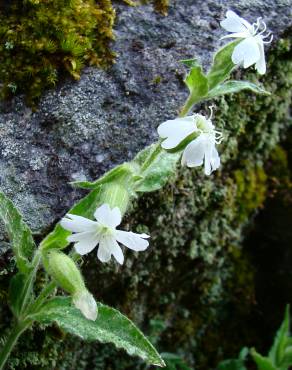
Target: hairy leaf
230	87
86	208
197	83
222	65
121	173
19	233
110	327
159	167
16	292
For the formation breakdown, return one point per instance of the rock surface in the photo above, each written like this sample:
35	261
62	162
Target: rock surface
82	129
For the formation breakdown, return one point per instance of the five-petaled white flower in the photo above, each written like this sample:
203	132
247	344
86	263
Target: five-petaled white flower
251	49
201	149
88	234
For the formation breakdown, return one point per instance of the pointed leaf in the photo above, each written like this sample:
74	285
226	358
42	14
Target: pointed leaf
197	83
263	363
157	170
230	87
190	62
16	292
222	65
86	208
109	327
276	353
19	233
121	172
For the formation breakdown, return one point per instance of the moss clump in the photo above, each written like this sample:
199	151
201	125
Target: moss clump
40	39
251	189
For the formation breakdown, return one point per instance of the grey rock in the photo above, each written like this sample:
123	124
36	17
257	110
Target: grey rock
83	129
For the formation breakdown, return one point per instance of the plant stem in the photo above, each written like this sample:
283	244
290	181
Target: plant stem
30	279
187	106
11	341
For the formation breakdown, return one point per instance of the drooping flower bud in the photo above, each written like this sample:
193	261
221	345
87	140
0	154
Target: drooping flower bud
67	275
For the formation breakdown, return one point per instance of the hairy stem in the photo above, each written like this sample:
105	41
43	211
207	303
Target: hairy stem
30	280
11	340
190	102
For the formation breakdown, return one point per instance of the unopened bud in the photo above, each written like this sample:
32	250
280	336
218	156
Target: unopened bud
64	270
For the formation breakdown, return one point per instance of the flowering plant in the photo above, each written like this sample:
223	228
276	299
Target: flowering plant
94	219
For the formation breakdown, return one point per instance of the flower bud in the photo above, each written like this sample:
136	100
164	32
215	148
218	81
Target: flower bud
65	272
115	195
85	302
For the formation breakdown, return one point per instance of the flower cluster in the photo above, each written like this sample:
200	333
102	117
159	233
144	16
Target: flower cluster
195	136
196	133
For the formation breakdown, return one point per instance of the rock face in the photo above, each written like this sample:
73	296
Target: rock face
83	129
195	276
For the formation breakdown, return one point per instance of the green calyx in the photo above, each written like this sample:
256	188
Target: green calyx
115	195
64	271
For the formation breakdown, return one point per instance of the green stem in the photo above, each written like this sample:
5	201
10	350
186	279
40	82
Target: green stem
47	290
11	341
151	157
187	106
30	279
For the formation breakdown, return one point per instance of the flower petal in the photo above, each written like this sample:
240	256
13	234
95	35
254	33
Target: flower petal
85	243
117	252
261	63
234	23
212	159
107	216
247	51
134	241
77	223
176	130
104	252
193	154
215	159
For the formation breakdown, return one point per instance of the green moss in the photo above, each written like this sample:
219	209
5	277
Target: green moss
251	189
40	39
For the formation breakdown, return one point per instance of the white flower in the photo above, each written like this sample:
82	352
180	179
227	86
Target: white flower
251	49
201	149
85	302
88	234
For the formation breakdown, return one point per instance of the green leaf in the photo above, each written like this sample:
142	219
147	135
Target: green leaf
159	167
86	208
276	353
121	173
232	365
263	363
174	362
110	327
197	83
190	62
222	65
19	233
230	87
286	362
16	292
